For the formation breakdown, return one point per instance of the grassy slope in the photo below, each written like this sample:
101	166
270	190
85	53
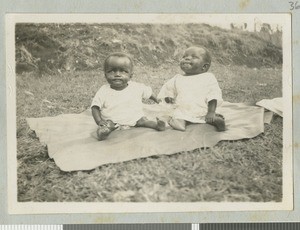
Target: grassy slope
57	47
244	170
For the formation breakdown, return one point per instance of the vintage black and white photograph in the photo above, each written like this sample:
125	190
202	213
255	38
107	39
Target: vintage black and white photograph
157	112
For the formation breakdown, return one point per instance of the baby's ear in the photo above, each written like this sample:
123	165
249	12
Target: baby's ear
206	66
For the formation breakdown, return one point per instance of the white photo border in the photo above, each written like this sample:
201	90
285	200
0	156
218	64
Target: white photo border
15	207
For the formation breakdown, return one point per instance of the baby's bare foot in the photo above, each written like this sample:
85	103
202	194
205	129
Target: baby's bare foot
220	125
111	125
103	132
161	125
177	124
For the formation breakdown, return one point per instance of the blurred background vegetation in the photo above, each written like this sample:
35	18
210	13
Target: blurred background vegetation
51	48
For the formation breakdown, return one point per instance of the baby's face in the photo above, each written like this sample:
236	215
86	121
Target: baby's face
118	72
193	61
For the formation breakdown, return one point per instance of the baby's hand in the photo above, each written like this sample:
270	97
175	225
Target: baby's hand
210	117
169	100
107	123
103	123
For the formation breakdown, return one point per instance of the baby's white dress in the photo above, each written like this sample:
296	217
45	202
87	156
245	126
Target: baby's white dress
192	94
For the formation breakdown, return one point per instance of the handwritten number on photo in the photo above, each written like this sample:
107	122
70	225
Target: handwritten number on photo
294	5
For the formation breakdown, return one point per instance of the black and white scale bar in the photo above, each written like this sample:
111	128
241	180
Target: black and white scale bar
31	227
129	227
211	226
247	226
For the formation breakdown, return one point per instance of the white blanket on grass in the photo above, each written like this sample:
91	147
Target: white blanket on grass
72	143
275	105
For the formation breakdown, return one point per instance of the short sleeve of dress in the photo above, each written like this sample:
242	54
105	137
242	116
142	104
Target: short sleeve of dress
147	91
99	98
168	89
214	91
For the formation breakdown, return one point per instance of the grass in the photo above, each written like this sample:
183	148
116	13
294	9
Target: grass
54	48
243	170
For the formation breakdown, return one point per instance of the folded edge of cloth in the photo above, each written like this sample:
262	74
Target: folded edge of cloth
275	105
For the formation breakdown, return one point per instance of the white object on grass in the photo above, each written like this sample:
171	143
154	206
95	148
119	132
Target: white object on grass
275	105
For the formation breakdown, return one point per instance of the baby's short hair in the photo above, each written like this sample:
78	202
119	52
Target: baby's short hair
118	54
206	56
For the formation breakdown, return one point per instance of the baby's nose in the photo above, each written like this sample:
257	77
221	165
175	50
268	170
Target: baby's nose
117	74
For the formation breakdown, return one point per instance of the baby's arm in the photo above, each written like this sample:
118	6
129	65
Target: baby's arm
96	114
211	111
97	117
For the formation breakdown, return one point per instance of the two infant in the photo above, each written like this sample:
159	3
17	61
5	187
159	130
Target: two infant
195	94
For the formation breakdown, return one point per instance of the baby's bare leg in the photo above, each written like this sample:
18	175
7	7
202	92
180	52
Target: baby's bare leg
158	125
177	124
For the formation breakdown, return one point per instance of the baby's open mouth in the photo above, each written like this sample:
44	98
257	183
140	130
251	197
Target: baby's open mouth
186	64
